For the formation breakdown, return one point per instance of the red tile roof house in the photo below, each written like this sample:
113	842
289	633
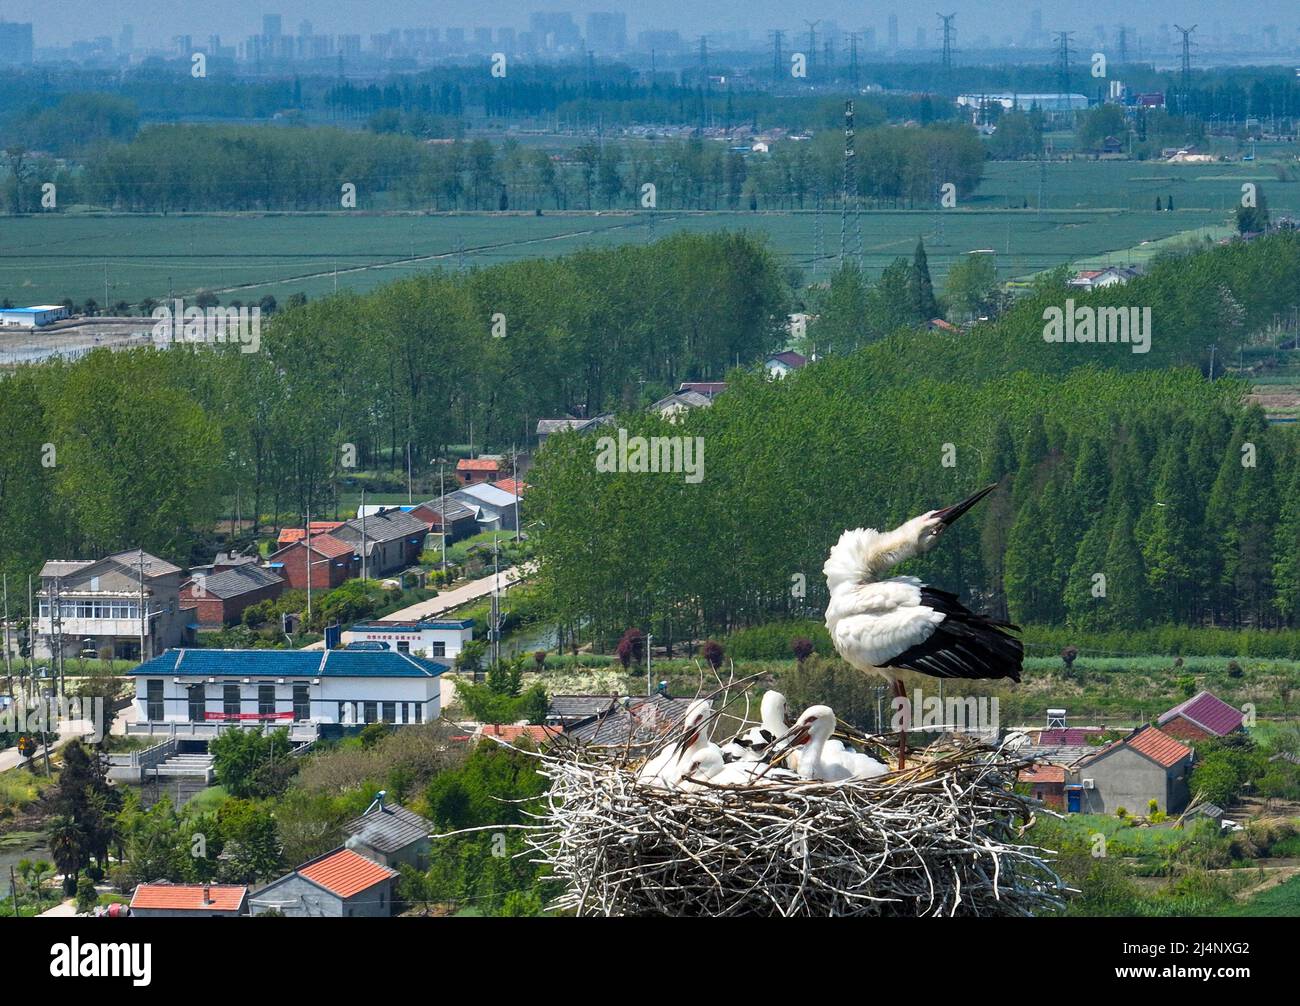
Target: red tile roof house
288	535
1146	765
1202	717
340	884
218	599
1046	784
471	471
189	901
332	562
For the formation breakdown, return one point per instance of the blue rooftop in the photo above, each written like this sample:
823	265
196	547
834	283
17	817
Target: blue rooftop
291	663
375	625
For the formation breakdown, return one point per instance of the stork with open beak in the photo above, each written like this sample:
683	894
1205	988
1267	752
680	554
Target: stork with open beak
884	625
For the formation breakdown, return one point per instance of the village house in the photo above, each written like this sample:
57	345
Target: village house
494	509
485	468
390	834
1146	765
288	535
194	694
709	389
163	900
672	407
428	637
1046	784
1095	279
461	521
100	605
1204	716
340	884
330	560
784	363
215	600
389	542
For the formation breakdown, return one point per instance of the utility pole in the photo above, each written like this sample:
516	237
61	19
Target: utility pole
514	477
365	567
442	506
9	669
143	615
307	530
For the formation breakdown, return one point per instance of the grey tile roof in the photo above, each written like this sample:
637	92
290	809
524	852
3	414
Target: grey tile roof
387	526
239	580
388	829
638	720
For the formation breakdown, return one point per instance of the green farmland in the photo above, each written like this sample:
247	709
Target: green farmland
1094	212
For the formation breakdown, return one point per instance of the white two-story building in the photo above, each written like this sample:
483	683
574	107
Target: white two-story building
194	694
427	637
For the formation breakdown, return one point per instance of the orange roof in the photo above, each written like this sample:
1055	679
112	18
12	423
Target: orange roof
1043	773
1158	746
289	535
189	897
513	486
478	465
345	873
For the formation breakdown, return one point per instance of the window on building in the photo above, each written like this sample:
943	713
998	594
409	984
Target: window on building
266	700
404	646
371	710
154	700
419	712
345	714
301	703
230	701
390	712
198	703
439	648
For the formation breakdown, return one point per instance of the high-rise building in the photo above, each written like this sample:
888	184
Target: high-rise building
15	43
482	39
456	39
506	39
893	31
126	40
555	31
271	26
606	32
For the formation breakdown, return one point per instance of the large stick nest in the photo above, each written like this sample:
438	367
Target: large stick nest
942	837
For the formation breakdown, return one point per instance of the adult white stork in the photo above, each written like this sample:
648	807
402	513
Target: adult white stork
884	625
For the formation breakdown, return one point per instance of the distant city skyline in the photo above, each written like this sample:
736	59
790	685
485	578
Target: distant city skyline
157	22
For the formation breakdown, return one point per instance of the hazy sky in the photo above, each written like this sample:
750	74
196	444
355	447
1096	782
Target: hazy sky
156	21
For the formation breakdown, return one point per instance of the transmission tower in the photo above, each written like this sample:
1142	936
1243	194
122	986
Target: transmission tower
778	64
1123	45
853	59
1063	68
1185	82
812	44
949	32
845	185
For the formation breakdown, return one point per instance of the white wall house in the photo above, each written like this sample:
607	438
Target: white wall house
433	637
196	693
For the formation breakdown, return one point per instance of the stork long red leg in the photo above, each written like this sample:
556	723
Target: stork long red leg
900	692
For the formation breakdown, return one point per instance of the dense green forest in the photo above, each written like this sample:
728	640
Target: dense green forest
1129	466
147	446
192	168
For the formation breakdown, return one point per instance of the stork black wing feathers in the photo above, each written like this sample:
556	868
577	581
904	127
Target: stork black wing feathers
963	645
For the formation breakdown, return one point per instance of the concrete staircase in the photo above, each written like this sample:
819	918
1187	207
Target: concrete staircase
190	765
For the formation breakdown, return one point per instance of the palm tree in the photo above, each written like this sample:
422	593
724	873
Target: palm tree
67	843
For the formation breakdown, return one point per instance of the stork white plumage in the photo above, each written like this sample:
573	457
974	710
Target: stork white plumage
884	625
754	743
706	766
665	768
811	732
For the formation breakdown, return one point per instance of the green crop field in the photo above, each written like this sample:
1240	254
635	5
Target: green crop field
1094	212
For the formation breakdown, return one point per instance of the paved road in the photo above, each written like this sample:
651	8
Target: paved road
449	599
